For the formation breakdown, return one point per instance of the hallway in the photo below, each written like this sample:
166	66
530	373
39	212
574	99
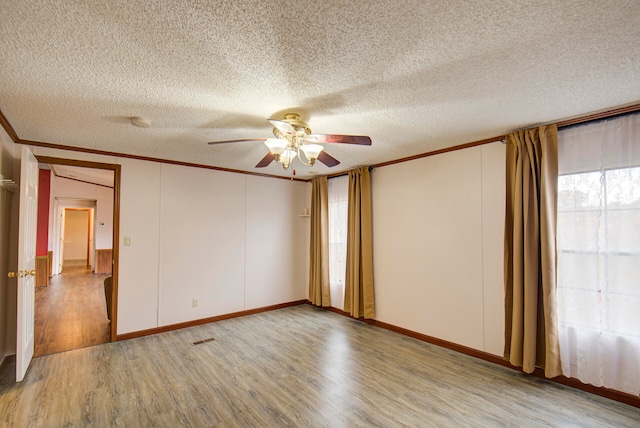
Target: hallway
71	312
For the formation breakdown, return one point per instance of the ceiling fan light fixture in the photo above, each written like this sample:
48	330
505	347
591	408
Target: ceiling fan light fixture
276	147
311	151
287	157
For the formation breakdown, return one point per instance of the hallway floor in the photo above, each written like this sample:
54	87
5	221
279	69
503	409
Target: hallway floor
71	312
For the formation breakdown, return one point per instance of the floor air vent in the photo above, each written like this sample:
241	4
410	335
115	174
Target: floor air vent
200	342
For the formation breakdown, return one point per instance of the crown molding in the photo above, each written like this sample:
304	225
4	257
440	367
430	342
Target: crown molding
561	124
12	134
7	127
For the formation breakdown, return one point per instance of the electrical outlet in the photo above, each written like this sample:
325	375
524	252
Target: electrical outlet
194	303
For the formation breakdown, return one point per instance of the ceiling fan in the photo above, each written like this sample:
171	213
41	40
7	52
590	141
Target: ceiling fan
293	136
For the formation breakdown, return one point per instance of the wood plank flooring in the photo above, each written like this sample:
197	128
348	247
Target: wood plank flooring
298	366
71	312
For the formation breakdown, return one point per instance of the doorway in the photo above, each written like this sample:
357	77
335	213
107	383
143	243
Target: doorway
77	238
70	311
83	253
68	245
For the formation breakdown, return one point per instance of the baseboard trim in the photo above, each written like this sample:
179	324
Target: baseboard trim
570	382
171	327
8	359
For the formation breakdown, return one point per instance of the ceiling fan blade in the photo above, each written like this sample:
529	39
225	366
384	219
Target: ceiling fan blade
265	161
237	141
327	159
344	139
284	127
309	139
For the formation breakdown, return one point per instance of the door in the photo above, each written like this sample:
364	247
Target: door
76	238
92	241
26	261
61	244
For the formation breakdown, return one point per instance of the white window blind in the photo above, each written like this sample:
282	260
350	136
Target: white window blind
338	205
599	253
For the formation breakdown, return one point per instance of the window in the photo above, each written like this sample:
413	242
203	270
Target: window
338	208
599	253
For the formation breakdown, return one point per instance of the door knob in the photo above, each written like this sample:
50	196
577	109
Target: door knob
22	273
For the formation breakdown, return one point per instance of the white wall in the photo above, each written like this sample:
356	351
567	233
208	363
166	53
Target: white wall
228	240
202	244
493	212
277	242
216	238
232	241
438	243
139	263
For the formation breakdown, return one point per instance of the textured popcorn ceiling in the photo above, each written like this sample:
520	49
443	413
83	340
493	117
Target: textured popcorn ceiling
416	76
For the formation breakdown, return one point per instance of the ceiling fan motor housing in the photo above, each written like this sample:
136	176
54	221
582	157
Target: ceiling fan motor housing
301	127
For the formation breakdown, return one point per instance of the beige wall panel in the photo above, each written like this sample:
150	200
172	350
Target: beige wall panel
276	269
493	206
202	243
427	217
140	221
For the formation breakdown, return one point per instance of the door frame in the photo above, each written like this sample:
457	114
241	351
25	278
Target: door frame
116	226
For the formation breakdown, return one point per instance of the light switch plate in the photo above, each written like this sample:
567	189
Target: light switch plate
127	241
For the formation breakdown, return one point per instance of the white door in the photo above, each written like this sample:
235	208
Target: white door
26	261
61	244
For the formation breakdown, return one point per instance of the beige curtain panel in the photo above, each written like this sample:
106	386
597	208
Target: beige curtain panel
319	286
358	291
531	332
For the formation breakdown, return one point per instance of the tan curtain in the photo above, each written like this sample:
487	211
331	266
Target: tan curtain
319	287
358	290
531	332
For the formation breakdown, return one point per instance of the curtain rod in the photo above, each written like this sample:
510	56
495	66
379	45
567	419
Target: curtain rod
502	138
591	117
340	174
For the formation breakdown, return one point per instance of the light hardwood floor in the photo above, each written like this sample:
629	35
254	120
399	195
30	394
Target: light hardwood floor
299	366
71	312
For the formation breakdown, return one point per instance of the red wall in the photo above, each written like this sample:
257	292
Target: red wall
44	192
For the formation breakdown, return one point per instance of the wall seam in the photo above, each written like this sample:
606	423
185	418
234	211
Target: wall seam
244	291
482	247
158	288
